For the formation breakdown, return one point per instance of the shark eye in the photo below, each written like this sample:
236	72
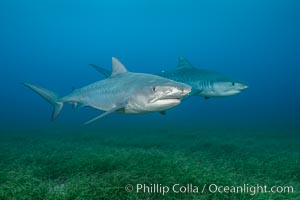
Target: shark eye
154	89
233	83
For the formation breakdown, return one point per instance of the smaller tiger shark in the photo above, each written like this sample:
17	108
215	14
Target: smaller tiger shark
122	92
204	82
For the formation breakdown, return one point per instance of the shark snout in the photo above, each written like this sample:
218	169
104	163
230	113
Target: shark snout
170	93
245	87
239	87
187	90
179	92
242	86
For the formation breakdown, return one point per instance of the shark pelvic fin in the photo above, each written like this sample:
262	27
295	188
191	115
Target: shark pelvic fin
116	108
117	67
184	63
103	71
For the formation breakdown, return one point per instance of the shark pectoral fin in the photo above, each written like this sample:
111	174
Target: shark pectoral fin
98	117
103	71
163	112
116	108
74	105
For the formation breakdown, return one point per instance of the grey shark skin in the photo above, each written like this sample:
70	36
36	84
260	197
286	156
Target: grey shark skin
204	83
122	92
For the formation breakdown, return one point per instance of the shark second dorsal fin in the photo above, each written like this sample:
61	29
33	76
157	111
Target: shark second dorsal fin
117	67
183	63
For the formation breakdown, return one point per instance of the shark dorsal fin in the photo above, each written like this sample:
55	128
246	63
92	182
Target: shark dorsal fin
117	67
184	63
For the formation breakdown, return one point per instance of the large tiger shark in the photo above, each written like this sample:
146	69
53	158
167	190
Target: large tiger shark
122	92
204	82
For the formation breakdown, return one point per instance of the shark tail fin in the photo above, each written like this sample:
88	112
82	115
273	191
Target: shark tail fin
49	96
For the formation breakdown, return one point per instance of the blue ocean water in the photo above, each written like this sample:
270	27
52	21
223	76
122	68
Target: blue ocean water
51	43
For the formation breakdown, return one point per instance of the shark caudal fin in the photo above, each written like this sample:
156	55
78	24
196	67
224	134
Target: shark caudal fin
50	96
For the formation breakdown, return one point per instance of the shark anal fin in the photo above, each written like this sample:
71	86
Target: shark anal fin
116	108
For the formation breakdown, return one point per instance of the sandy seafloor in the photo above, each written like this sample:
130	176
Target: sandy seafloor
61	162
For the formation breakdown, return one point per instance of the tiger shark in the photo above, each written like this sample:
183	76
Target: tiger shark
121	92
204	82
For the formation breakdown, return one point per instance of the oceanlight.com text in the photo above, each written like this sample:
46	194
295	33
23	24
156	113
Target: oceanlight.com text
207	188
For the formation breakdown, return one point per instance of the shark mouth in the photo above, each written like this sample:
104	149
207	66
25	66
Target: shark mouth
173	97
168	101
163	104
